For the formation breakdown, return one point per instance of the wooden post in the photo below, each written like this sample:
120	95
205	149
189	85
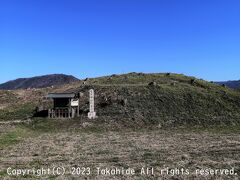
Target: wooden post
53	114
49	113
73	112
78	105
69	109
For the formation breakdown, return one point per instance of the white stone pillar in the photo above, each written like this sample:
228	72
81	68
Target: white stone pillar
92	113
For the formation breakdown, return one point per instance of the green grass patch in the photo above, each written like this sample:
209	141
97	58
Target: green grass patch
14	136
3	173
45	125
22	112
215	129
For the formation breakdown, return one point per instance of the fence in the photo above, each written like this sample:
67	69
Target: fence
60	113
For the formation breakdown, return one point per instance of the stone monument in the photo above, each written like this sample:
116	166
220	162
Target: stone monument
92	113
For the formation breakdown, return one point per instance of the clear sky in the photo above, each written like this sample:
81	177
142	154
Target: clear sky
89	38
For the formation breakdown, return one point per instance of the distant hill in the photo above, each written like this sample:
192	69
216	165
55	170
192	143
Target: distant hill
38	82
231	84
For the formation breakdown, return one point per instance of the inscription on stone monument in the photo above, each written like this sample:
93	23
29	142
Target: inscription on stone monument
92	113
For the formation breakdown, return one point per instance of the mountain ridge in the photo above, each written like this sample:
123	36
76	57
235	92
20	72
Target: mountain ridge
38	82
234	84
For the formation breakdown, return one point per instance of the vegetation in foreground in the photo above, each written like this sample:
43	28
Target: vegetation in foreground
37	145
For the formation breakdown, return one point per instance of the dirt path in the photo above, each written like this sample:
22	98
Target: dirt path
14	122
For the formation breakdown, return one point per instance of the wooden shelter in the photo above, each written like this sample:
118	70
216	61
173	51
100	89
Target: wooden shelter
65	105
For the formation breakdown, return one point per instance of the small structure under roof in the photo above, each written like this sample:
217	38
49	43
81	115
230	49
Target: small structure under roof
61	95
65	105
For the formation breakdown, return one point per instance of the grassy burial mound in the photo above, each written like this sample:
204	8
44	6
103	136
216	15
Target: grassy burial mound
138	99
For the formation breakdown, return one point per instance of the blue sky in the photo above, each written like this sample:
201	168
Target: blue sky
92	38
